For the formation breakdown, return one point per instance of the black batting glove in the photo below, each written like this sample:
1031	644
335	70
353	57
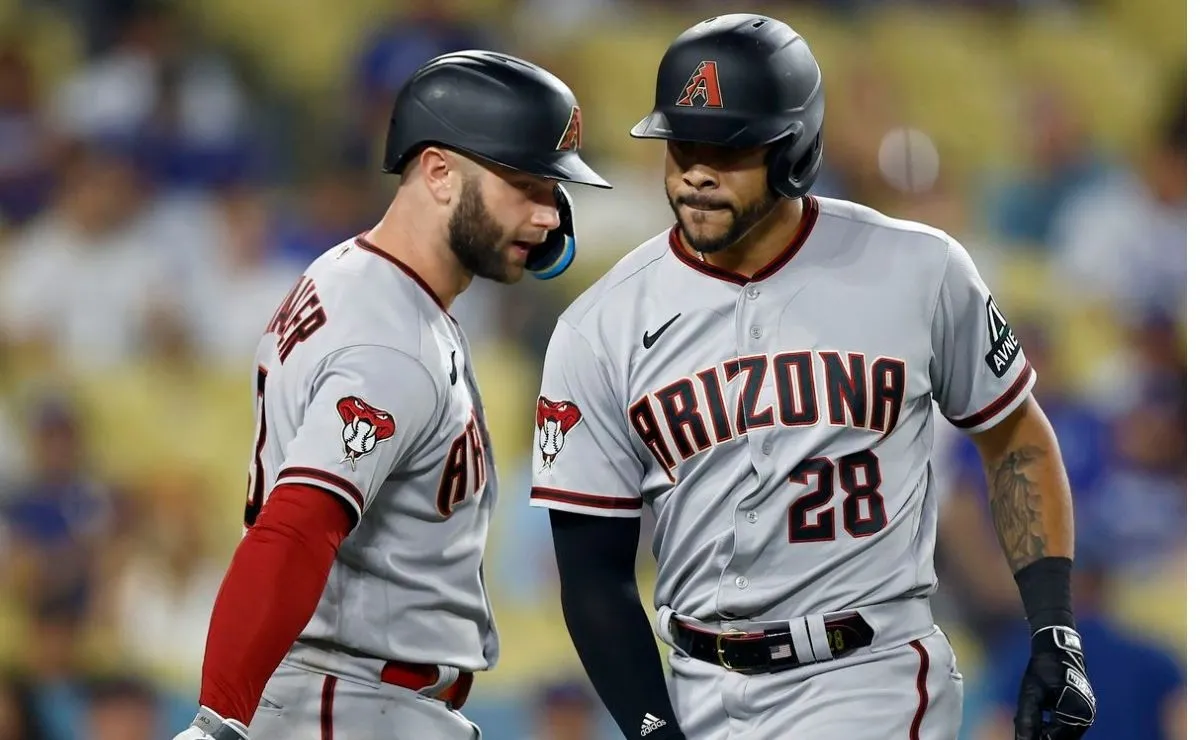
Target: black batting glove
1056	701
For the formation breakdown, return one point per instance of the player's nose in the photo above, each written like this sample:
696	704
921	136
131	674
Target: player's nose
545	217
699	177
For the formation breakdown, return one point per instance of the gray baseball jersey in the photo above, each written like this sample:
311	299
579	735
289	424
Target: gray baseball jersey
365	391
779	426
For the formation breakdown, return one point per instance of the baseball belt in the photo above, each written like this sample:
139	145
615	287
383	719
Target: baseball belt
772	649
420	678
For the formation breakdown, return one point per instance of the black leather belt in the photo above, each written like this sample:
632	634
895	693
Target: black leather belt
771	650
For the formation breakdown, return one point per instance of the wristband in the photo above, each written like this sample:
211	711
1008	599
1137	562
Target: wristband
1045	587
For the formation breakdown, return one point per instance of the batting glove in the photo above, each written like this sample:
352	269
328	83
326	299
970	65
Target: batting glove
552	257
209	725
1056	701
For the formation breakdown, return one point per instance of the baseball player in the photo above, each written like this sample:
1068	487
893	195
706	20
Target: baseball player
762	377
354	606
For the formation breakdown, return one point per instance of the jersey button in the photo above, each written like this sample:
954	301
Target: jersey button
742	582
752	516
766	448
752	292
756	332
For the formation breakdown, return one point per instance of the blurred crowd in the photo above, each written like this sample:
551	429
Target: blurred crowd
167	169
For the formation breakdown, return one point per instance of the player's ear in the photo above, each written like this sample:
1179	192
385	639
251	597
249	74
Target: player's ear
437	169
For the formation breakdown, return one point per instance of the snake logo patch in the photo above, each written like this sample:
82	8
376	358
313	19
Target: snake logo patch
554	420
364	427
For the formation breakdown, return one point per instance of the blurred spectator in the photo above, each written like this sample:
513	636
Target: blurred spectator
122	708
1124	242
566	711
1141	507
18	717
57	520
392	52
80	275
335	205
26	148
241	281
54	658
165	587
1139	686
1059	162
183	106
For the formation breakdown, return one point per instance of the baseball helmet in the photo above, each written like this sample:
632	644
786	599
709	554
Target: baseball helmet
503	110
743	80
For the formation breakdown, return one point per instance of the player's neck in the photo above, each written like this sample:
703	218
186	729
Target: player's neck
763	243
420	245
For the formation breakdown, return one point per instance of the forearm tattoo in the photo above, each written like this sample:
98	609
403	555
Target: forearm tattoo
1016	505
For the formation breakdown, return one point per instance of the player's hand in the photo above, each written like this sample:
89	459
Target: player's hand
1056	700
552	257
209	725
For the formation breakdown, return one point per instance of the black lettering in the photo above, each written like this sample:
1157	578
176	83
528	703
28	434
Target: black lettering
453	485
682	411
796	389
756	372
641	415
477	457
888	378
465	471
715	398
847	388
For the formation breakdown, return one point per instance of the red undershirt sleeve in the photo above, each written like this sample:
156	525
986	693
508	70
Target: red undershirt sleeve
269	593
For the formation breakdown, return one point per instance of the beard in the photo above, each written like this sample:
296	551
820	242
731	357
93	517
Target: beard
744	219
477	239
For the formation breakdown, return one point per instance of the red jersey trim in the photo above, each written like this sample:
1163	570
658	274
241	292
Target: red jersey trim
362	243
807	221
1000	403
914	730
325	480
585	499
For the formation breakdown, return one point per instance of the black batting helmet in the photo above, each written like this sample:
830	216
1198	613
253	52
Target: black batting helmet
743	80
496	107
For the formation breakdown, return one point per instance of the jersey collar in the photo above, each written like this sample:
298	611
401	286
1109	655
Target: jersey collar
807	220
362	243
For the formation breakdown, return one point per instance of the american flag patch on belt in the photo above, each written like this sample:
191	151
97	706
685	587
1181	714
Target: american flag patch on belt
778	652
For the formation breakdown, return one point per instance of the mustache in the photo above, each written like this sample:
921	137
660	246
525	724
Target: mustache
700	201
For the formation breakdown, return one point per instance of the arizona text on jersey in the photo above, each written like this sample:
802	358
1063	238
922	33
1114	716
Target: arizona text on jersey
778	426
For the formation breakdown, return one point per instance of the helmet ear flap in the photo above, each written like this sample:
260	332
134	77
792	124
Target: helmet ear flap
792	165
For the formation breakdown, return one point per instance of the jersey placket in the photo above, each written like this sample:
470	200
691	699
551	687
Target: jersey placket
756	321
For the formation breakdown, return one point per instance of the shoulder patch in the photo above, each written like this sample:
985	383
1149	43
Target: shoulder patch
554	420
1003	344
364	427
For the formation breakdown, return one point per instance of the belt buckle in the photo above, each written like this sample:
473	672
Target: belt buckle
721	648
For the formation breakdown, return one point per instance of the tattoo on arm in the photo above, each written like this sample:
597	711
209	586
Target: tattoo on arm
1017	505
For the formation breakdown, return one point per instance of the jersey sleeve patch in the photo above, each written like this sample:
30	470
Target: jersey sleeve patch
364	427
554	420
1003	346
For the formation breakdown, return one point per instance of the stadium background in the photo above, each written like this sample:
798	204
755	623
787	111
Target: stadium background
167	169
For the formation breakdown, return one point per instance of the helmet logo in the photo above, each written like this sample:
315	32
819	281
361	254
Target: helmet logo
572	135
703	84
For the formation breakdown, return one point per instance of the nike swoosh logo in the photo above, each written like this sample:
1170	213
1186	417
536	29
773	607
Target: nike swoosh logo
453	368
649	339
